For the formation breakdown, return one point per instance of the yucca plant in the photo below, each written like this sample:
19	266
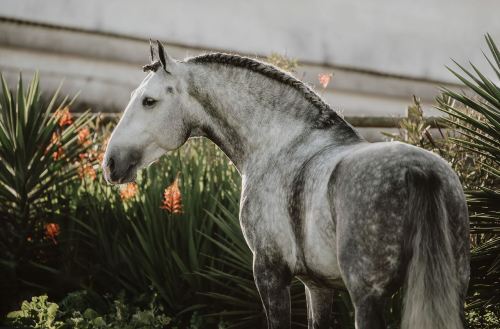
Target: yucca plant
479	133
131	241
39	146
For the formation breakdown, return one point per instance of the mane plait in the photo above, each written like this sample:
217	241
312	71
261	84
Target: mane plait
327	116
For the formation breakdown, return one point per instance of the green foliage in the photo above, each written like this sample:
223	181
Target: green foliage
471	144
75	313
283	62
39	313
415	130
479	134
38	153
133	244
484	318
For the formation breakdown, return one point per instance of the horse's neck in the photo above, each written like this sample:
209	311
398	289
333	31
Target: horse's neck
250	117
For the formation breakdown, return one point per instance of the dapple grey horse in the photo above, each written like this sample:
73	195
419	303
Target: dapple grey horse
318	202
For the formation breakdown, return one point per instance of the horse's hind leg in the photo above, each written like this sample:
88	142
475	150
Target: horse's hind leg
319	307
369	278
368	293
369	313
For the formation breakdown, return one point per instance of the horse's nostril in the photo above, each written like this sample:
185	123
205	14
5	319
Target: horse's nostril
111	164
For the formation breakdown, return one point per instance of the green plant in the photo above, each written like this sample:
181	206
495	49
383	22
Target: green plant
484	318
75	312
471	144
133	243
283	62
38	313
479	134
87	310
39	148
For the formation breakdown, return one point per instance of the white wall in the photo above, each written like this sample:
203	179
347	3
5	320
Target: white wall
380	52
403	37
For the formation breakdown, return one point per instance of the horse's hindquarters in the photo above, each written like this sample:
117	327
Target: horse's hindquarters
373	194
370	201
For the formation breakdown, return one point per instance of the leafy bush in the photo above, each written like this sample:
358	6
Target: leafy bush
39	151
470	143
39	313
479	135
484	318
74	312
128	241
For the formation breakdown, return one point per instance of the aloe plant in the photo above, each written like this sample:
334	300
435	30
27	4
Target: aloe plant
476	117
38	150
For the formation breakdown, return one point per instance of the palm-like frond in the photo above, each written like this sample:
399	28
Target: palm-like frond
480	134
33	168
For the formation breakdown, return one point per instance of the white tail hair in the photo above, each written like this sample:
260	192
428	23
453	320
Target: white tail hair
433	289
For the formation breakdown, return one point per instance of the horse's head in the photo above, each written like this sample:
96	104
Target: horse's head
155	120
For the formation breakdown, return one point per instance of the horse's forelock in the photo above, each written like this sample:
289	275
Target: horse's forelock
153	67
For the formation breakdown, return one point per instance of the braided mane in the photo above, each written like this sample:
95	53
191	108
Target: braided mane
327	117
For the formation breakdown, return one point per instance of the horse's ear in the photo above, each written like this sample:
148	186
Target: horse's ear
166	61
151	51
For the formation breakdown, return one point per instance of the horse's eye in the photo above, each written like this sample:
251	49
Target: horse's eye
148	102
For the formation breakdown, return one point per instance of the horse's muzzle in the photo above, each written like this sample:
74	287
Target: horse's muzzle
121	167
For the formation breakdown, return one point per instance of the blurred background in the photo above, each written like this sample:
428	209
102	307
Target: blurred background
379	52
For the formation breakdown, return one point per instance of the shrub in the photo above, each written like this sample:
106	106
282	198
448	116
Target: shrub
74	312
128	240
479	135
39	313
471	145
39	151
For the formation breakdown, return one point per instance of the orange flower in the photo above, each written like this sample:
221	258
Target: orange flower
64	117
83	134
87	170
100	157
128	191
172	198
324	79
54	140
58	154
52	230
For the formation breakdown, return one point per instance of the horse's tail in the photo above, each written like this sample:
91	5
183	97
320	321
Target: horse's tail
432	288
